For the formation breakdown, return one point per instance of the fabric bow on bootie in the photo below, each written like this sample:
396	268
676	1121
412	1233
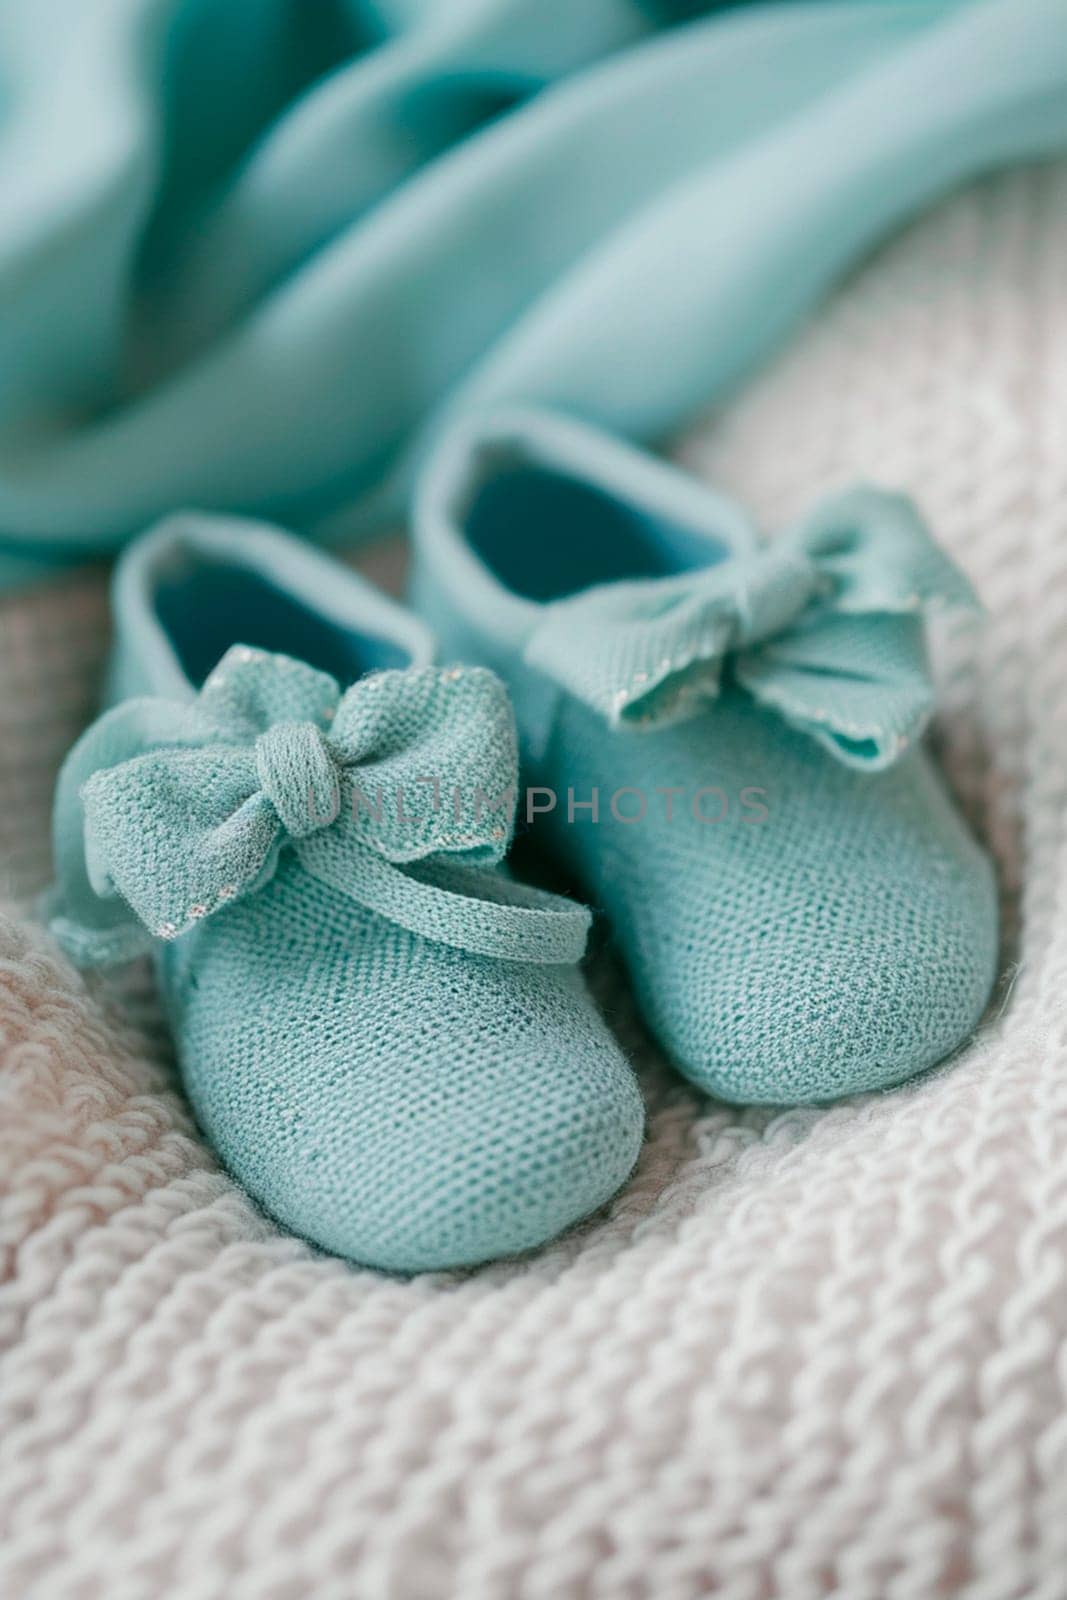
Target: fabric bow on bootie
400	793
824	626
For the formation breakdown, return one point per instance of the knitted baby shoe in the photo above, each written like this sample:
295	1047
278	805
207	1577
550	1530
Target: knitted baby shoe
386	1039
723	740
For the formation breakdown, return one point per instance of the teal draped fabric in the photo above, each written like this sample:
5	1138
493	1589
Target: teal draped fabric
254	252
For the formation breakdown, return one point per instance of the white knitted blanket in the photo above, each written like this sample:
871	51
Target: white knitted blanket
820	1353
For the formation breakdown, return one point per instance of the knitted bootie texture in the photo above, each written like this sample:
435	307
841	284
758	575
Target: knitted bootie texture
724	743
386	1038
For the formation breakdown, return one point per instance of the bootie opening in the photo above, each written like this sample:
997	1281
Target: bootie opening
205	606
547	535
195	586
548	507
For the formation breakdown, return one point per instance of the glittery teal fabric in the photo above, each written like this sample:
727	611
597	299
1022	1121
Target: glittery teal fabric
385	1037
722	739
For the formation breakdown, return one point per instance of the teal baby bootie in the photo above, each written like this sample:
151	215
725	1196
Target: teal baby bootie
721	739
387	1040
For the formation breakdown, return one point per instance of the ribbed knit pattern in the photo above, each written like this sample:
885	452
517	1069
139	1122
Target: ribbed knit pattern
808	1355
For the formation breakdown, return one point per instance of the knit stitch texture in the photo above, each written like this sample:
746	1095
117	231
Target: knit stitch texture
810	1355
384	1037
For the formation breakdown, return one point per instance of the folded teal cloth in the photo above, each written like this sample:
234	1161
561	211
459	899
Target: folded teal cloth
722	743
253	255
386	1038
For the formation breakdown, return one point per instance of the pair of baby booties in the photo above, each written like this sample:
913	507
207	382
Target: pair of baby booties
386	1037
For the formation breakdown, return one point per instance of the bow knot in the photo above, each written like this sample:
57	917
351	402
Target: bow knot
399	794
823	627
299	777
